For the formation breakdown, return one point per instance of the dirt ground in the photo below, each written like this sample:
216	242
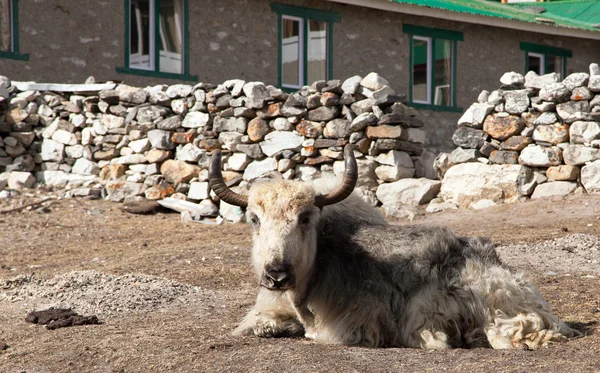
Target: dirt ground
169	294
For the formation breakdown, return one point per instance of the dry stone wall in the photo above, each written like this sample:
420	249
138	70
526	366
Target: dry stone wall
131	143
535	136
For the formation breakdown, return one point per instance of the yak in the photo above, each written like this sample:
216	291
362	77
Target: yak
331	269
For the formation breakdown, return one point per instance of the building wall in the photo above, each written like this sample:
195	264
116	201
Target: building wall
68	42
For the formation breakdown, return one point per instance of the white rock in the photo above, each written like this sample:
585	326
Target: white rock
577	155
282	124
19	180
64	137
466	183
83	166
584	132
231	213
195	119
306	172
540	156
277	141
512	78
140	146
395	158
87	136
412	192
199	190
189	153
62	178
393	173
555	188
475	115
238	162
52	151
129	159
374	82
482	204
179	90
257	169
590	176
112	121
351	84
74	151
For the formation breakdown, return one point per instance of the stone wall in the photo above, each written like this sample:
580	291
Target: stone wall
129	143
534	137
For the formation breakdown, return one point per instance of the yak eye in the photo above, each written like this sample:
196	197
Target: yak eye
253	219
304	218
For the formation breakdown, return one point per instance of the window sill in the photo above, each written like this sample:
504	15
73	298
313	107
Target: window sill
453	109
156	74
14	56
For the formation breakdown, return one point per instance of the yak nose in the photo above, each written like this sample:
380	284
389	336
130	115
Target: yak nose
278	277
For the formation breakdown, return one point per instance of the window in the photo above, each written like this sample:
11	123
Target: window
305	45
156	39
543	59
9	30
432	67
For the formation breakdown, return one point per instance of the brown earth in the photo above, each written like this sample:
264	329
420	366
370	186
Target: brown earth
180	321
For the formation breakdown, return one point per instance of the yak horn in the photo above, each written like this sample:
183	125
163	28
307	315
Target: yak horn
348	183
217	184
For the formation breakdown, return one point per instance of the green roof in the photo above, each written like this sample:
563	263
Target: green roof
581	15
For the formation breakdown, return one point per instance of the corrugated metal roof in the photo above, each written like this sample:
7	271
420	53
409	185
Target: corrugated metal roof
560	18
587	11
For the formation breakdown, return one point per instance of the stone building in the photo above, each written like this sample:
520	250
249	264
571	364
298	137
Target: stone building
443	52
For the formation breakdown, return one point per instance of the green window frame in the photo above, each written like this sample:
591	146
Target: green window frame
434	39
547	57
156	39
303	17
12	29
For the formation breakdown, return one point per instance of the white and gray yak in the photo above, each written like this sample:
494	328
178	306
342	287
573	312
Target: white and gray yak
330	268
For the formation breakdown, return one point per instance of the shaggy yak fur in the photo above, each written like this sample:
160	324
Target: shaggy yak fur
352	279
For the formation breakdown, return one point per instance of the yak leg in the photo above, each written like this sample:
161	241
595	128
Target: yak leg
304	315
272	316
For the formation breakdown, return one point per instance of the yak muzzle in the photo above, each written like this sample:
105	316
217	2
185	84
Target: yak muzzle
278	278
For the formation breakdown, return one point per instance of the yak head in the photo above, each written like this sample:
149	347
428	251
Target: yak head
284	216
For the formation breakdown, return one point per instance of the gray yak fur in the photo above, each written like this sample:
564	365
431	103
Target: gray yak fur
371	284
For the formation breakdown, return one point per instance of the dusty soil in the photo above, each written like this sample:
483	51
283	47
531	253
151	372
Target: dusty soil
169	293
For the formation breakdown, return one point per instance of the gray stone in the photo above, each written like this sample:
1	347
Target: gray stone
411	192
475	115
118	190
279	140
161	139
576	80
195	119
526	181
590	176
594	69
281	124
230	124
257	93
573	110
578	155
467	137
554	92
179	90
257	169
546	119
594	83
171	123
466	183
483	97
504	157
581	93
292	111
539	156
337	128
140	146
460	155
323	113
584	132
533	80
252	150
512	79
555	188
551	134
516	102
229	140
362	121
496	97
189	153
363	106
148	114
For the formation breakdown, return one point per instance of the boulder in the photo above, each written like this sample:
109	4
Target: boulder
466	183
555	188
177	172
467	137
582	132
551	134
563	172
502	126
411	192
578	155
